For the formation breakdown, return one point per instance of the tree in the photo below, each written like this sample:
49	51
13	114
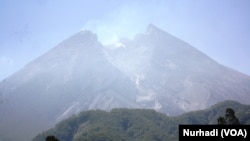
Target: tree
229	119
221	121
51	138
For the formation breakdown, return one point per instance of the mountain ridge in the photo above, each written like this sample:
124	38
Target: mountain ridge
138	124
155	70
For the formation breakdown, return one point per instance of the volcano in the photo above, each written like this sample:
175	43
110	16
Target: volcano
155	70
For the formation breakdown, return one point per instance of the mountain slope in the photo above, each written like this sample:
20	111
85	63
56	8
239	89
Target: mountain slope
72	76
174	77
154	70
137	124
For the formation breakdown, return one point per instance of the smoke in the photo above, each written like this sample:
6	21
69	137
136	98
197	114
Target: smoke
123	22
211	26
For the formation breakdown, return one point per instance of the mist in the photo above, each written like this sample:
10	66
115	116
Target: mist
58	58
220	29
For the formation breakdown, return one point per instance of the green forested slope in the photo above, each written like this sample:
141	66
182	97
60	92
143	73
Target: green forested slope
136	124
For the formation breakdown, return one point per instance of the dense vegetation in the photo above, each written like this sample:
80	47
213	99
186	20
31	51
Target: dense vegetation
136	124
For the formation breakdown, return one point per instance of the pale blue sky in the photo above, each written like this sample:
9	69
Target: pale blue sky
219	28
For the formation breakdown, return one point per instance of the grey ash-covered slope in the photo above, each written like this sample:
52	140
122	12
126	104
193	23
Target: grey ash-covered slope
174	77
71	77
154	70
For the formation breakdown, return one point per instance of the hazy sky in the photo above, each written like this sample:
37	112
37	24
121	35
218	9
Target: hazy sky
219	28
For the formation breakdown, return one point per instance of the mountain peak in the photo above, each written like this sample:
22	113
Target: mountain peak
82	39
152	29
87	35
86	32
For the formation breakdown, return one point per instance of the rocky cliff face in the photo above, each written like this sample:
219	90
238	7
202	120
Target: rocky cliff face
173	77
155	70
